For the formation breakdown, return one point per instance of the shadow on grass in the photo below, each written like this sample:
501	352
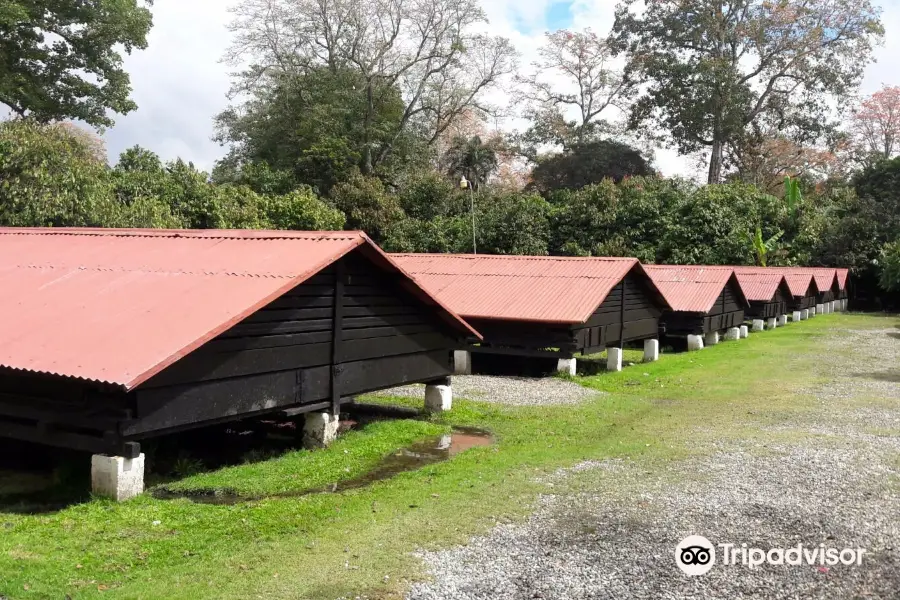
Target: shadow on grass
36	479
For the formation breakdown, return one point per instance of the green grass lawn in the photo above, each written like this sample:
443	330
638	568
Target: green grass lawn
360	541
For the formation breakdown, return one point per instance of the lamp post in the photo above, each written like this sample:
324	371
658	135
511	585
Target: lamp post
464	184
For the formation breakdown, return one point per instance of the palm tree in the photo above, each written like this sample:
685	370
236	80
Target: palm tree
471	158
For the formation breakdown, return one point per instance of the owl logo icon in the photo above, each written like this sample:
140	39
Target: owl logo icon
695	555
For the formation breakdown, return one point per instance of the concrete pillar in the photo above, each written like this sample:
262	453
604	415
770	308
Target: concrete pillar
782	320
651	350
820	308
833	306
320	429
613	359
712	338
745	331
694	342
566	366
813	311
758	325
804	314
795	316
116	477
438	396
845	304
732	334
462	362
772	323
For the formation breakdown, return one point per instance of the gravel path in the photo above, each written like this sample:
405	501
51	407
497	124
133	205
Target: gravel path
839	487
516	391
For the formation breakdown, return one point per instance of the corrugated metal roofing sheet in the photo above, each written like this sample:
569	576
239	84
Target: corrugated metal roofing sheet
825	276
842	276
758	283
522	288
690	288
798	279
118	306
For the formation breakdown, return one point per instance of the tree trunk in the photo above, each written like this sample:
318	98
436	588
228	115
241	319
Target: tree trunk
715	162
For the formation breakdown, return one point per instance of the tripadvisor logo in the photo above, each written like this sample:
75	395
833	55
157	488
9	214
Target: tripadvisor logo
696	555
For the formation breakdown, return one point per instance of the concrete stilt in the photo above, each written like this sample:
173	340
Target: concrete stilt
320	429
820	309
712	338
613	359
116	477
745	331
694	342
438	396
782	320
845	305
651	350
733	334
566	366
804	314
758	325
795	316
772	323
462	362
814	310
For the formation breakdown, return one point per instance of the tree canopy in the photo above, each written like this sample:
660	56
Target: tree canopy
61	59
719	73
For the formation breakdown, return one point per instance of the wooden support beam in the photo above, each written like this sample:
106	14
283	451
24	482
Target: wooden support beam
337	321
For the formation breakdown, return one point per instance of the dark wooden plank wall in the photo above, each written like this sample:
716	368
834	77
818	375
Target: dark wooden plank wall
281	356
641	316
775	307
727	311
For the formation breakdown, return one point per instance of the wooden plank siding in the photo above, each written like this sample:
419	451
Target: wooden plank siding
775	307
603	329
727	311
283	356
808	300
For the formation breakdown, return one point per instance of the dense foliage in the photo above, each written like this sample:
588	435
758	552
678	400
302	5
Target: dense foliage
62	60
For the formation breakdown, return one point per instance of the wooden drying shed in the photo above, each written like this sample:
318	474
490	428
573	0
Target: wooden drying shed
767	292
543	306
108	337
703	300
803	289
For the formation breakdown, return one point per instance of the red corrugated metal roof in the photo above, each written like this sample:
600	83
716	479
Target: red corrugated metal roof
842	275
759	283
690	288
825	276
522	288
118	306
798	279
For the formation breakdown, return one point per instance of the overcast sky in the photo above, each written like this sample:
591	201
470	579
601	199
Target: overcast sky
179	82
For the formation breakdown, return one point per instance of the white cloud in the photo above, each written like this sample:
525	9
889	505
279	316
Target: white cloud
180	84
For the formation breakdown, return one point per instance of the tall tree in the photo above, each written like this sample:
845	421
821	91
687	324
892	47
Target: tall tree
574	74
61	59
585	164
715	68
875	124
430	50
308	124
471	158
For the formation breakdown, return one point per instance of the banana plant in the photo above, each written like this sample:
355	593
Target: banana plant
764	247
792	196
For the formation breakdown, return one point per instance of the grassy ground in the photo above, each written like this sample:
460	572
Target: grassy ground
361	541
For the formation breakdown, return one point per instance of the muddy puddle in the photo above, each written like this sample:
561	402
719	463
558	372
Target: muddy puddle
421	454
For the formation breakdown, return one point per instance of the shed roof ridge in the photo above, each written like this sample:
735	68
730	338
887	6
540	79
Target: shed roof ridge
516	257
205	234
158	271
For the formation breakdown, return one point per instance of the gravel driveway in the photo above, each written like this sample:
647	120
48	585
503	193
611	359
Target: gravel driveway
515	391
838	487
